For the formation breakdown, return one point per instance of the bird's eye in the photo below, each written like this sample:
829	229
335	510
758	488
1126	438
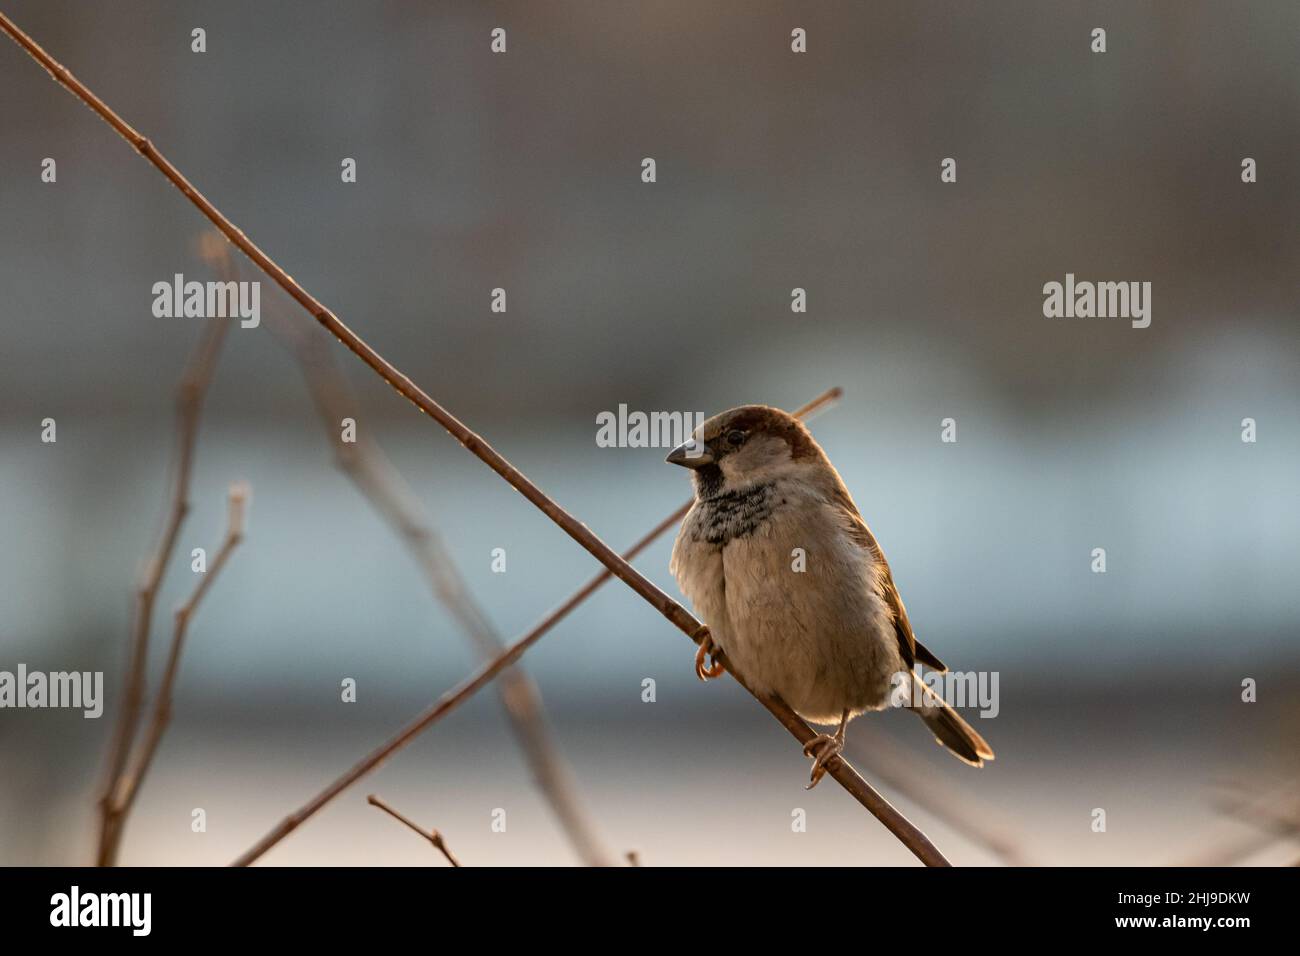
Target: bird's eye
735	437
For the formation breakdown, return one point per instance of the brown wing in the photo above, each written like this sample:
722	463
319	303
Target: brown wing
912	649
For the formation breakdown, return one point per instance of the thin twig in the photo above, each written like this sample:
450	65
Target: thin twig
433	836
463	691
382	484
190	393
130	786
679	616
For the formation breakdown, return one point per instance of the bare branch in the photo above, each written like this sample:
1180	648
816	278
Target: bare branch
674	612
433	836
130	786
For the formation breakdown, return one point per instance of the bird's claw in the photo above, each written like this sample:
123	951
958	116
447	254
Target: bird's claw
706	667
823	748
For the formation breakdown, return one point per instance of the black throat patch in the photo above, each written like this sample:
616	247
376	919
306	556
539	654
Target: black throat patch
726	515
708	481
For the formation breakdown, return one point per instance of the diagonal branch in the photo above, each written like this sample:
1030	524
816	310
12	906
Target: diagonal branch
675	613
130	785
670	609
433	836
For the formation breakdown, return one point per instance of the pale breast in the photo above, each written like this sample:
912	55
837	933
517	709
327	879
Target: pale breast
697	565
791	599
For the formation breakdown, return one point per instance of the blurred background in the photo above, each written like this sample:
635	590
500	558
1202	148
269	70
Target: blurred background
1119	691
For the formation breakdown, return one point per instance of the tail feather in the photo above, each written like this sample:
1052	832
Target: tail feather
950	730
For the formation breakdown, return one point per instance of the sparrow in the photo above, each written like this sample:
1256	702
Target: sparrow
793	586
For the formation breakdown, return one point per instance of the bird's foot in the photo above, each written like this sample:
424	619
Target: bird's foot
706	667
823	748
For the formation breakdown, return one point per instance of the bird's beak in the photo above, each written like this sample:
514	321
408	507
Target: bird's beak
691	454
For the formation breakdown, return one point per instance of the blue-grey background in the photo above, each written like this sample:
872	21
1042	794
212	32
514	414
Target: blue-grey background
775	170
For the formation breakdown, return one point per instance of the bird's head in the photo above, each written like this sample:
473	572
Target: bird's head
747	446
